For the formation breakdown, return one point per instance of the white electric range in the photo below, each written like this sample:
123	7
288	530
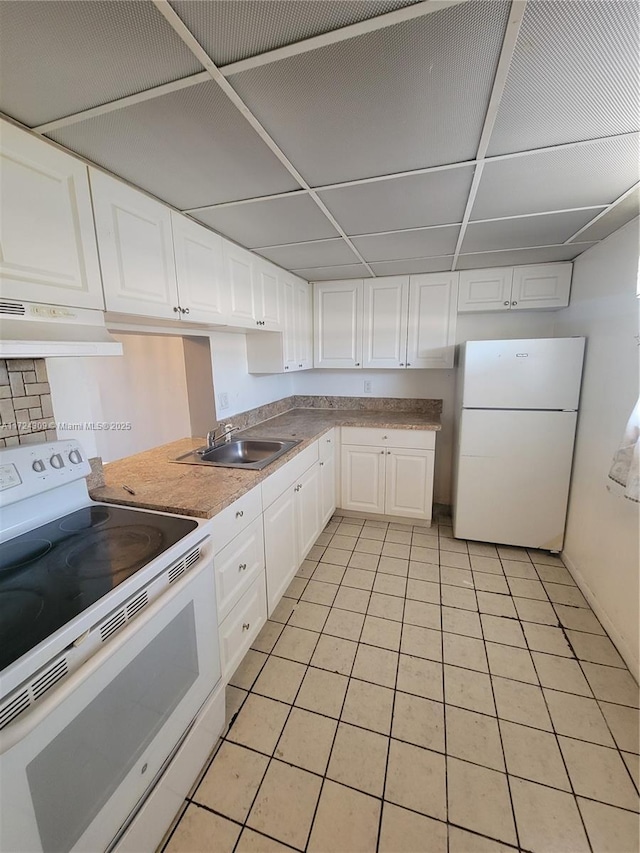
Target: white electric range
110	679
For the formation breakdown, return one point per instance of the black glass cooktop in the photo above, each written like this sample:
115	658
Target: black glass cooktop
51	574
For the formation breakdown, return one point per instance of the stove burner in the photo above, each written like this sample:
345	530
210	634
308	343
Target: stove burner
18	609
15	554
85	519
114	550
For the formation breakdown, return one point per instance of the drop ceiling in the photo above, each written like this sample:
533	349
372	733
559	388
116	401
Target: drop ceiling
348	138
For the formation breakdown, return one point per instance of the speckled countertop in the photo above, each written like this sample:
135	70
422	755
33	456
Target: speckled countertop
203	491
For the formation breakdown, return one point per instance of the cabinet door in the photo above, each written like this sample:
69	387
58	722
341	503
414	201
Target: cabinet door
290	330
267	296
238	272
48	245
304	333
237	565
432	319
485	290
242	626
327	489
409	483
280	545
338	324
308	510
362	478
198	253
136	249
541	286
386	306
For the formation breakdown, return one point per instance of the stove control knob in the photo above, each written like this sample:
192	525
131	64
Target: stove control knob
56	461
38	466
75	457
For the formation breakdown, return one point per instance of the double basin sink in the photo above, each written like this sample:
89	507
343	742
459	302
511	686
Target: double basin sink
253	454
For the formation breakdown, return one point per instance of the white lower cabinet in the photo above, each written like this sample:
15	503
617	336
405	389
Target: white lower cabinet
388	472
308	509
237	565
242	625
327	464
280	545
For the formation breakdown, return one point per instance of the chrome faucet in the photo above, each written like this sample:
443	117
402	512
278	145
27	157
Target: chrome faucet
228	430
213	438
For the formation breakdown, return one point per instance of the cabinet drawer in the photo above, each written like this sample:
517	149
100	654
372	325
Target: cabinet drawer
237	565
242	625
286	476
418	439
327	445
226	525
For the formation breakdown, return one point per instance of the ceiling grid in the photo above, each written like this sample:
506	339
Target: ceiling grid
351	138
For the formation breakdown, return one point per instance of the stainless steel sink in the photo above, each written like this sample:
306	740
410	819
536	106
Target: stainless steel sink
251	453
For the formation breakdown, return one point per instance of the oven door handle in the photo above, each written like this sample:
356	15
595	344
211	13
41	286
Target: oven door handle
26	723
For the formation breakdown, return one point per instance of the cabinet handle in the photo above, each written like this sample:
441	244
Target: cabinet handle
357	364
408	364
385	437
286	367
328	441
382	451
176	309
514	303
402	364
242	567
184	310
246	626
299	365
507	303
321	464
388	453
240	513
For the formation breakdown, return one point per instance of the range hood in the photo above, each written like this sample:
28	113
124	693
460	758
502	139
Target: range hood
36	330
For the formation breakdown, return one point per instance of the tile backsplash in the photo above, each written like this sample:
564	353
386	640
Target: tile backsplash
26	414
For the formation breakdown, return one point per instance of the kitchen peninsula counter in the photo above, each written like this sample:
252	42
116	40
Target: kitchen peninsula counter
202	490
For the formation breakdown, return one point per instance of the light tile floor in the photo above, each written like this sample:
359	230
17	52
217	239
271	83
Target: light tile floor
413	692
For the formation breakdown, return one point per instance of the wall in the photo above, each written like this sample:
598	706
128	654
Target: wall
145	387
602	538
25	402
438	384
244	391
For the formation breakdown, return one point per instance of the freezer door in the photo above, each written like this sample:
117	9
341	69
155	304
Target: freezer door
542	373
512	480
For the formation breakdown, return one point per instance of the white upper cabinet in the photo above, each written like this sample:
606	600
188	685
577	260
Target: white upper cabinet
432	319
47	243
541	286
386	303
199	270
136	250
267	296
485	290
338	323
303	326
533	287
238	271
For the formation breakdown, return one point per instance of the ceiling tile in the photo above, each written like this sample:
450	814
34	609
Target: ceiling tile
190	148
404	97
230	31
423	243
336	273
550	254
59	57
614	219
323	253
416	265
574	75
270	222
434	198
542	230
592	174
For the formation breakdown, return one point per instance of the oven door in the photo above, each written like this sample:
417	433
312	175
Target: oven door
74	768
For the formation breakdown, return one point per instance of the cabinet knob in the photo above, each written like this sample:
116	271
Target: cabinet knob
514	303
322	464
385	437
176	309
299	365
286	367
184	310
402	364
246	626
507	303
382	451
357	364
388	453
239	513
242	567
408	364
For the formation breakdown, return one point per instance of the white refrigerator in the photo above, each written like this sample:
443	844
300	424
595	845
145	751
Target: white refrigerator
517	406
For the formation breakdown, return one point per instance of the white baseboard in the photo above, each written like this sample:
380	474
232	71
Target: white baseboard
627	653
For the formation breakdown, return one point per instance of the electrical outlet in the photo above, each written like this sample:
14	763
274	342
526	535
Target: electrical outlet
223	401
367	386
